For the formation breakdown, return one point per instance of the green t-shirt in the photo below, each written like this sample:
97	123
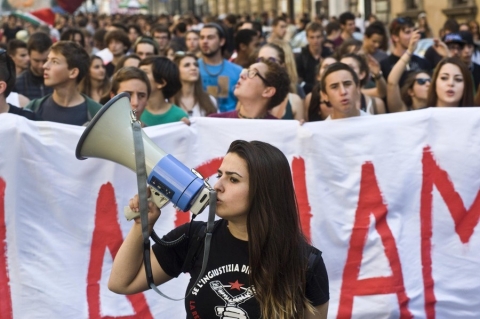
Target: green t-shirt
175	114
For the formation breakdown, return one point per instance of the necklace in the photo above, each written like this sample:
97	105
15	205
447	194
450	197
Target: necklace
240	115
213	74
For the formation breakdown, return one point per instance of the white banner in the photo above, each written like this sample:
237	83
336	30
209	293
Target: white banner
391	200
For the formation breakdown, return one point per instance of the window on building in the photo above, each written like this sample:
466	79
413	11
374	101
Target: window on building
382	10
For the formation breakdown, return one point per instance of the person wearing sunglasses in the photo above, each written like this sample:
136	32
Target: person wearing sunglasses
412	95
7	82
401	31
260	88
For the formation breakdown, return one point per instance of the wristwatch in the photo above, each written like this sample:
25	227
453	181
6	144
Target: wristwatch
378	75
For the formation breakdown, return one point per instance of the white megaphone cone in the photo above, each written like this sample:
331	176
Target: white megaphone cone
110	136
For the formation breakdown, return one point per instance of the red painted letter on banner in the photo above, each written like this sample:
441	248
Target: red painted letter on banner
371	202
465	220
300	182
107	234
6	310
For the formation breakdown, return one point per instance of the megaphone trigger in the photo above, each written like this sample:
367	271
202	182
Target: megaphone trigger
156	197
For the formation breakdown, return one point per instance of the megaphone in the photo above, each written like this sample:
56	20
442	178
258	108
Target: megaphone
110	136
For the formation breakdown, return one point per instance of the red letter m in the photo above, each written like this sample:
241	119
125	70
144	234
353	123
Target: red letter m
465	220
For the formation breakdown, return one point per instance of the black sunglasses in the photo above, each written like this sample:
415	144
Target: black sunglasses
7	61
423	81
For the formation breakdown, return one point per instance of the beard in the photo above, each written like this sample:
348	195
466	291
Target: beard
211	53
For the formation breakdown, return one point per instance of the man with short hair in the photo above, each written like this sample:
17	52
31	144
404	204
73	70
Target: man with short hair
341	91
466	55
310	56
246	42
118	44
432	55
145	47
373	39
30	83
134	82
10	29
347	23
17	50
219	76
279	29
67	64
7	82
162	35
401	30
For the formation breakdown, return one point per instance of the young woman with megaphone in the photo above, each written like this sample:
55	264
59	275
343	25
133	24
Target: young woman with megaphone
260	263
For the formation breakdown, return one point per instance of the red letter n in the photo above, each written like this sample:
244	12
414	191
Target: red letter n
371	202
465	220
107	234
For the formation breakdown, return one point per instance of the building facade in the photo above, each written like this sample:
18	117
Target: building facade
437	11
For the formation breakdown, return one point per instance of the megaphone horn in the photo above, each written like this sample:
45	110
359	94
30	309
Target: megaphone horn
110	136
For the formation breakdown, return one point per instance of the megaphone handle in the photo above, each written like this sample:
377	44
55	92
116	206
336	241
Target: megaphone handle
156	197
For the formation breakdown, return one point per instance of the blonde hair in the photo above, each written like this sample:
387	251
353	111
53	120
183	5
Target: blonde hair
289	64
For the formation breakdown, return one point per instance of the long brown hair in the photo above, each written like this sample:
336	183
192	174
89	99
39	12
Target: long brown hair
85	86
467	98
203	99
277	247
408	86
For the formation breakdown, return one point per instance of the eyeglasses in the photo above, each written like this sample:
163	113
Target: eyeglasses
423	81
272	59
252	73
7	61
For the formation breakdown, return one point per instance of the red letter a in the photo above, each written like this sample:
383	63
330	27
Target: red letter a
465	220
107	234
304	209
5	298
370	202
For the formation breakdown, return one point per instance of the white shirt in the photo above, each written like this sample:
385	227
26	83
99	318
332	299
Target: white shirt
362	113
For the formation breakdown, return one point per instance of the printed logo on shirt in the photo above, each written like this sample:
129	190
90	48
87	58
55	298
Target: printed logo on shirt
232	302
232	292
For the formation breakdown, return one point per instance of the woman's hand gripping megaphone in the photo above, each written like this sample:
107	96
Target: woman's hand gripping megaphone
155	198
134	212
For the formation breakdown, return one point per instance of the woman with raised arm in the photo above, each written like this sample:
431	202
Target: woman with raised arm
414	91
259	258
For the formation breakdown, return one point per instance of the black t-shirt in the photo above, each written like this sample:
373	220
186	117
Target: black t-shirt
9	32
416	63
25	113
225	284
432	56
306	65
49	110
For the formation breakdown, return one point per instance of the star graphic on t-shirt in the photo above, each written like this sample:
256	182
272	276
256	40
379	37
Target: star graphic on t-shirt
235	285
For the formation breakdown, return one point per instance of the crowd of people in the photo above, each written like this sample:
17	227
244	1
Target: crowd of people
176	68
